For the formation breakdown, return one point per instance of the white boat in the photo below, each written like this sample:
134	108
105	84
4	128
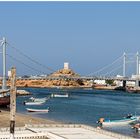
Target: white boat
39	99
121	121
60	95
34	103
23	92
37	110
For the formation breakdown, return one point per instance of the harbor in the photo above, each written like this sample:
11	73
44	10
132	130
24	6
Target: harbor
70	70
28	127
65	115
65	105
92	104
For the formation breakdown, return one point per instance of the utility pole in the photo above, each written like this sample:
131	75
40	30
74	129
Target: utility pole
137	64
12	102
137	69
4	63
124	64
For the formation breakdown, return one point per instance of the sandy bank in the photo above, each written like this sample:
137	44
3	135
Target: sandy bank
64	131
105	87
22	119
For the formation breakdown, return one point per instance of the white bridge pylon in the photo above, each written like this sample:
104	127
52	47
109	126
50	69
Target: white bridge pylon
3	44
123	60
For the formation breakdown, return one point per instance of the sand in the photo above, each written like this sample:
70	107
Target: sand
70	132
22	119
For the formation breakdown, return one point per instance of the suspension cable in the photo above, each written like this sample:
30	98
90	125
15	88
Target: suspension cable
113	70
31	59
106	66
25	64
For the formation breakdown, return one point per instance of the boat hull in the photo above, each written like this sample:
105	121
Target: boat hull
38	99
4	101
60	95
123	121
34	103
37	110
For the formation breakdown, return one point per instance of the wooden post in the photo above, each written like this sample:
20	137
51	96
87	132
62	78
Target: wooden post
12	102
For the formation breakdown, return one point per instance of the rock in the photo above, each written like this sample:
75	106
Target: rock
62	82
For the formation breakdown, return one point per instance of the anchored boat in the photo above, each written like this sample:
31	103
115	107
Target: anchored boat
60	95
39	99
5	100
37	110
34	103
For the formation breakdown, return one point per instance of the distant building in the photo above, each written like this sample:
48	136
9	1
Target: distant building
118	83
130	83
135	76
119	76
100	82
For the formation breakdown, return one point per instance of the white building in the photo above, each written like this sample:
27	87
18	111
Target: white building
135	76
118	83
100	82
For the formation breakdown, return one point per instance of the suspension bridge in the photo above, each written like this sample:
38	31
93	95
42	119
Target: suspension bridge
108	72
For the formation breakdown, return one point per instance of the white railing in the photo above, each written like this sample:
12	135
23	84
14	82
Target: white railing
23	132
101	131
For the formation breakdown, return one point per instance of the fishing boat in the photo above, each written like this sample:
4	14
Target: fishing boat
5	100
38	99
121	121
37	110
34	103
60	95
22	92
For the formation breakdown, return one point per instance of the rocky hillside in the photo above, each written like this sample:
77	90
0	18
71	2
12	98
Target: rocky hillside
64	72
63	82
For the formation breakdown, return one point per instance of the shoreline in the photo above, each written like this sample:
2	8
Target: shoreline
95	87
22	119
25	120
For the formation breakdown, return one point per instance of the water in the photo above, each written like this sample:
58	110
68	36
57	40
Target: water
85	106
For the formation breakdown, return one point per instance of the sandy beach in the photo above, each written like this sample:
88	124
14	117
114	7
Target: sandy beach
22	119
65	131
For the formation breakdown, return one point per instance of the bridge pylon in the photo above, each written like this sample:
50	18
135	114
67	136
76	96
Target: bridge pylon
137	69
124	64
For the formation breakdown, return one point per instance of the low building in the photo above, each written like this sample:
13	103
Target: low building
100	82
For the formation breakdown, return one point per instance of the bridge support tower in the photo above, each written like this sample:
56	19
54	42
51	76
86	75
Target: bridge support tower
137	70
124	64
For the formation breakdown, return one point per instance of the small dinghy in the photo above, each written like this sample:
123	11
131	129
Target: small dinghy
34	103
39	99
60	95
37	110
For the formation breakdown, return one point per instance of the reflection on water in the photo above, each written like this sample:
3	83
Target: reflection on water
86	106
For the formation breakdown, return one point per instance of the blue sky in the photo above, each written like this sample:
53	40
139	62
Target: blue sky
88	35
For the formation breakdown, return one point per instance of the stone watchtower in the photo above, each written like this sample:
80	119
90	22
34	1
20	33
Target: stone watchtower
66	65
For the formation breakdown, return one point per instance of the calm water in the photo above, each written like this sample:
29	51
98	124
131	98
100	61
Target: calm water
85	106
